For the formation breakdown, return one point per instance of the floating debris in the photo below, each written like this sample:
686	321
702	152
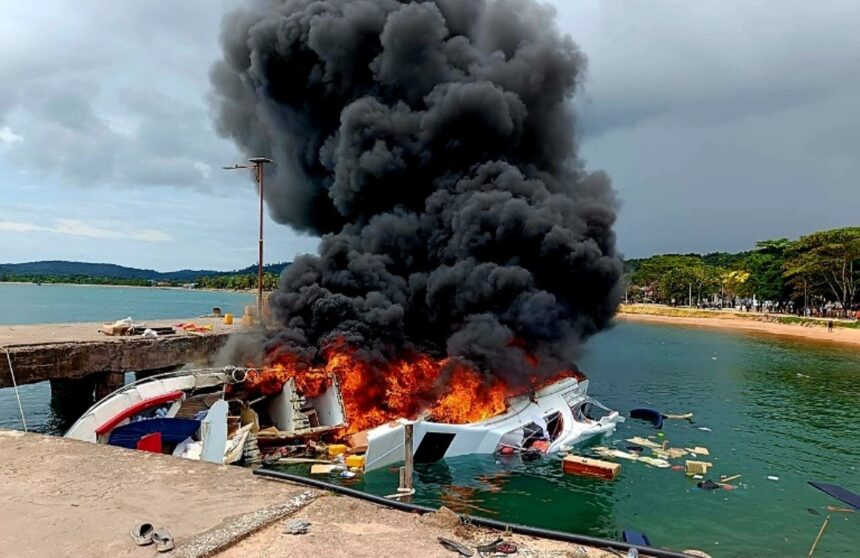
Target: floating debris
655	462
708	484
577	465
697	467
643	442
651	415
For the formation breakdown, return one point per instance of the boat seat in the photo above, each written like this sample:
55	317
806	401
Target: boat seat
196	403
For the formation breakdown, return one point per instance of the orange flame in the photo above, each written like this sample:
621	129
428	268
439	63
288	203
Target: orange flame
442	390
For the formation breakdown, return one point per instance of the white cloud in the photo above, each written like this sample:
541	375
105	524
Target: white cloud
8	136
76	227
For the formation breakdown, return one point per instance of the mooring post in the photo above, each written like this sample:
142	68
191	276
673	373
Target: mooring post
407	438
107	383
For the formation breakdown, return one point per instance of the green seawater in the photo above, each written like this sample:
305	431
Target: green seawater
22	303
774	408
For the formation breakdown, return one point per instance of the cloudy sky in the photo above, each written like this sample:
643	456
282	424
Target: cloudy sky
721	122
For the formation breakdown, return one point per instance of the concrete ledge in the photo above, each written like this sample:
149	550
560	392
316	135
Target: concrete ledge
73	351
63	498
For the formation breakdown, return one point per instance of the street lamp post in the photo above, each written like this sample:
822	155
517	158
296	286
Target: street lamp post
257	165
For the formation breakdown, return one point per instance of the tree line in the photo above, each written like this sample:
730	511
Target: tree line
816	274
73	279
238	281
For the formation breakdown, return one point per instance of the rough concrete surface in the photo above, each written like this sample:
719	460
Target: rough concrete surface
62	498
37	334
70	351
345	527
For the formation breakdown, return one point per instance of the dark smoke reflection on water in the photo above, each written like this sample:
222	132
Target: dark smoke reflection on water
433	146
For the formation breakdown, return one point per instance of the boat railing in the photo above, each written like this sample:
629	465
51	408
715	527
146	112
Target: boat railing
229	375
232	375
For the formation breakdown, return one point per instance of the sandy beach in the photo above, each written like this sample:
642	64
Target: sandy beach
755	323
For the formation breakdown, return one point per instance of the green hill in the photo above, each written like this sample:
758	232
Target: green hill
83	272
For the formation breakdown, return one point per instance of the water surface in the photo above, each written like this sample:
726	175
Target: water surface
774	408
24	303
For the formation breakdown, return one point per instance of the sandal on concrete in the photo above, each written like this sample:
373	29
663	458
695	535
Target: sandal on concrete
163	540
141	534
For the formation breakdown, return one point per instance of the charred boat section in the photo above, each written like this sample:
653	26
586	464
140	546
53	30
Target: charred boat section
210	415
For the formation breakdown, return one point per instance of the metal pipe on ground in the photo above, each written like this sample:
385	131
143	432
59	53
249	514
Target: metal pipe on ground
474	520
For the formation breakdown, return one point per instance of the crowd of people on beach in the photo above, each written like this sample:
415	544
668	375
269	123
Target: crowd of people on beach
828	310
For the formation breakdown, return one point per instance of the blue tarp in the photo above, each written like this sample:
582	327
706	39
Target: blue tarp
651	415
635	537
173	431
839	493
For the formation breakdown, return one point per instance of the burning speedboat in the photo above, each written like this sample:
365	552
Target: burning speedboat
557	416
211	414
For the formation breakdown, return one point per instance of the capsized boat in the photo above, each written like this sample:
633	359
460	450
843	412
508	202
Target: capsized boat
550	419
203	414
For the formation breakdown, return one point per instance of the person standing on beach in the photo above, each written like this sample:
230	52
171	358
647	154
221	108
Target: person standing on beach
830	326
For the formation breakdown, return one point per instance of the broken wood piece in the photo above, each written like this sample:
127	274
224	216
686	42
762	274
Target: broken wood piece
685	416
834	509
358	442
643	442
577	465
322	469
818	537
697	467
615	453
724	478
654	462
669	453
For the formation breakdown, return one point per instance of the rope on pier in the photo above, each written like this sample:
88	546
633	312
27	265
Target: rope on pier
15	383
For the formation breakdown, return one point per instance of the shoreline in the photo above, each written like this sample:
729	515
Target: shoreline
846	337
207	289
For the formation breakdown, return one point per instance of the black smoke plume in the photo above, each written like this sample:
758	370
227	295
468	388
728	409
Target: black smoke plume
432	145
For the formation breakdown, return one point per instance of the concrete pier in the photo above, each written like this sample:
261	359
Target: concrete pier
63	352
63	498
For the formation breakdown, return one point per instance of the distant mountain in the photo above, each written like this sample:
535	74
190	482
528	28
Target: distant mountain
106	270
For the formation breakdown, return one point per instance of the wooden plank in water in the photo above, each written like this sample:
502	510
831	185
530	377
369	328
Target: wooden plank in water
578	465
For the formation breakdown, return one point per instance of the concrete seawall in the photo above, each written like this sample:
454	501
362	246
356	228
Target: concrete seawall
69	352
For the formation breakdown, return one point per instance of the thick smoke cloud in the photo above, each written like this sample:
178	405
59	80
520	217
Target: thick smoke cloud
433	145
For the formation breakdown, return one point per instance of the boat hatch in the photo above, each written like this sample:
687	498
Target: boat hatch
294	414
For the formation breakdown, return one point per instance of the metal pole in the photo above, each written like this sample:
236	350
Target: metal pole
407	434
260	181
257	165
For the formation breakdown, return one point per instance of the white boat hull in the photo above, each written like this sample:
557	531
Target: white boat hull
434	441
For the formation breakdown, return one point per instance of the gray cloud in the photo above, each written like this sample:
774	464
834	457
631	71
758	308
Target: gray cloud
107	93
722	123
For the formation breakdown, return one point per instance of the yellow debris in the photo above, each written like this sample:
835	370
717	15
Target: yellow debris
697	467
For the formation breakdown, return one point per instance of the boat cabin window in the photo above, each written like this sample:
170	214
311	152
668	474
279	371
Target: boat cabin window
554	425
